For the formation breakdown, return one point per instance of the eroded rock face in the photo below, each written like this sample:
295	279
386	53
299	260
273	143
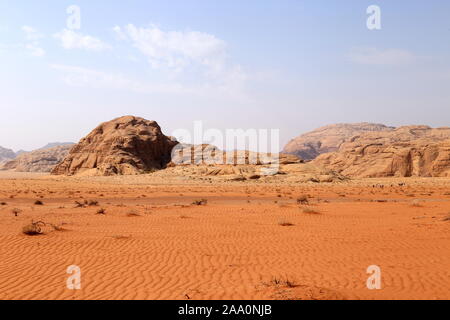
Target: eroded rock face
124	146
42	160
418	151
328	139
188	154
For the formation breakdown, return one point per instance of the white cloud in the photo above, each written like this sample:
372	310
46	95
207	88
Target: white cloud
177	50
85	77
35	50
33	37
374	56
75	40
89	78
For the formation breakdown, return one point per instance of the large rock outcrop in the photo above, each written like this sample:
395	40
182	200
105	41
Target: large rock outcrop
123	146
404	152
41	160
328	139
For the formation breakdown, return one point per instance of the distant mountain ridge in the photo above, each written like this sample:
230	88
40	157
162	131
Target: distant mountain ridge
39	160
409	151
56	144
6	154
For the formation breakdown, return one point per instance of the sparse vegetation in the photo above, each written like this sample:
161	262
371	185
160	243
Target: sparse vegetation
3	203
58	227
101	211
416	203
310	210
285	223
284	282
16	212
201	202
120	237
91	203
38	203
79	204
302	200
133	214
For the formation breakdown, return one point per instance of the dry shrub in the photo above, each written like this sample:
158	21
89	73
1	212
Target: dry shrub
285	223
38	203
101	211
79	204
59	228
133	214
310	210
16	211
91	203
302	200
284	282
201	202
416	203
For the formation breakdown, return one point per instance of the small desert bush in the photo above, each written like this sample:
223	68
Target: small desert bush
101	211
121	237
285	223
133	214
16	211
416	203
91	203
3	203
447	218
284	282
58	228
201	202
302	200
78	204
310	210
38	203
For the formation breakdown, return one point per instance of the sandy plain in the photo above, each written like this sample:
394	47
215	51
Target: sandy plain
251	240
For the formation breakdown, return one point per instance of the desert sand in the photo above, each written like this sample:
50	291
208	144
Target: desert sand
250	240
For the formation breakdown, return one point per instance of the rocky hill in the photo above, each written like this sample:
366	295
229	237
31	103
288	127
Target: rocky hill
6	154
328	139
407	151
41	160
126	145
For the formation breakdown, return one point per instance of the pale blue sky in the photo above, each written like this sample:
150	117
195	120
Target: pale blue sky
288	65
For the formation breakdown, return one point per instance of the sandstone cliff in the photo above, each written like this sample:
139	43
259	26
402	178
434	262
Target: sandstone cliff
328	139
404	152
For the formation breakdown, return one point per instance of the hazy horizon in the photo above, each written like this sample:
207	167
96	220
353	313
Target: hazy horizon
288	65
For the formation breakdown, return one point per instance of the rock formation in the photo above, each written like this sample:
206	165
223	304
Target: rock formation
328	139
404	152
41	160
187	154
126	145
6	154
